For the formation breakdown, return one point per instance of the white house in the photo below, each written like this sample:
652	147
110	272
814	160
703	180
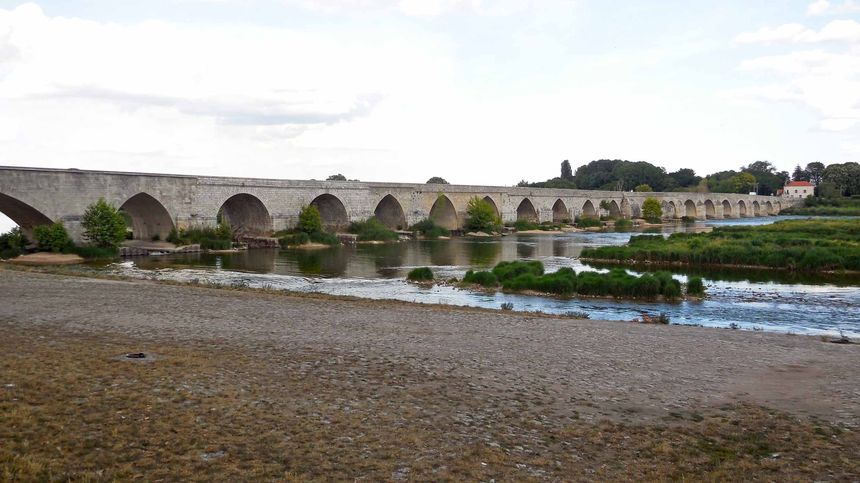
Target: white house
798	189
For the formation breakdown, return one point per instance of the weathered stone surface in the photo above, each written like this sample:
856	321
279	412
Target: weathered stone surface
256	207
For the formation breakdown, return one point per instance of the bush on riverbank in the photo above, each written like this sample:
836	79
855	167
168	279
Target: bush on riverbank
481	216
421	274
623	224
588	222
695	287
826	207
428	229
791	244
525	225
104	226
529	275
309	229
652	211
12	243
372	230
52	238
209	238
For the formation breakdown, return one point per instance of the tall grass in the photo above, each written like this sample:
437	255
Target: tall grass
826	207
803	245
428	229
372	230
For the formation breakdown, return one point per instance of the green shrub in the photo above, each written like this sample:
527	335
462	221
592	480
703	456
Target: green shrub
525	225
104	225
485	279
420	274
324	238
509	270
209	238
652	211
428	229
643	188
372	230
53	238
310	220
12	243
688	219
695	287
481	216
588	222
294	239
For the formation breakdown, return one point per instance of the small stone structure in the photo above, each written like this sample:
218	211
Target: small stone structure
254	207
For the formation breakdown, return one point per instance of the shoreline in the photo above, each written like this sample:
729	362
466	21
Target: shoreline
729	266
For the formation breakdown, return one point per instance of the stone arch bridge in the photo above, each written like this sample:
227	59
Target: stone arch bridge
157	203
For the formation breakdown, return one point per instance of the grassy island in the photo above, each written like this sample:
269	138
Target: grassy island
826	207
800	245
529	276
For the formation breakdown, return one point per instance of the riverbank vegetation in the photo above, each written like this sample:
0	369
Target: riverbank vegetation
421	274
792	245
428	229
481	216
372	230
309	229
588	222
848	206
521	276
209	238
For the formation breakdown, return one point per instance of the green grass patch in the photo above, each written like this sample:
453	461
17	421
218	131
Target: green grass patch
825	207
588	222
421	274
209	238
529	275
801	245
428	229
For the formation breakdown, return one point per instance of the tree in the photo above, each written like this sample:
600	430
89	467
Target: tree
53	238
685	178
481	216
103	224
643	188
436	180
651	210
799	174
742	183
336	177
768	179
566	171
815	170
310	220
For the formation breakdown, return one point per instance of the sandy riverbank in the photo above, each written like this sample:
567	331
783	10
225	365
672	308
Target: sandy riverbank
249	384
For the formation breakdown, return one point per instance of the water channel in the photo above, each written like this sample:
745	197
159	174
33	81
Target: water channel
745	299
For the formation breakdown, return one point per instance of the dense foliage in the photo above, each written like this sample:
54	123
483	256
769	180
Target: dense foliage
652	211
695	287
209	238
481	216
790	244
52	238
12	243
103	224
428	229
588	222
826	207
420	274
310	220
529	275
436	180
372	230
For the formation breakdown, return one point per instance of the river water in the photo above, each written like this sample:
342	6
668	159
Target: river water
744	299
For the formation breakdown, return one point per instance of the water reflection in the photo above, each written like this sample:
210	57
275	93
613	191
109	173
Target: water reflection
774	301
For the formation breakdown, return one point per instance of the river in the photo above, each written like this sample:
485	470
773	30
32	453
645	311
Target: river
746	300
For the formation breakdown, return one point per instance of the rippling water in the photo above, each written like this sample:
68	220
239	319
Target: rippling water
745	299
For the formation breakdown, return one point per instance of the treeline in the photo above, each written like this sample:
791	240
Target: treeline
761	177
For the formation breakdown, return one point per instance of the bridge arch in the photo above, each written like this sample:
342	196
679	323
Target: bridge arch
149	219
332	212
614	209
756	208
246	215
24	215
690	209
588	210
526	211
742	209
560	213
768	208
710	209
489	199
670	211
727	209
390	213
444	214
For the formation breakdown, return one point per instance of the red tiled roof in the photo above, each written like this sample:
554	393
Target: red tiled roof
800	183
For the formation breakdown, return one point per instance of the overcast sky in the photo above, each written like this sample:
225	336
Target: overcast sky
487	92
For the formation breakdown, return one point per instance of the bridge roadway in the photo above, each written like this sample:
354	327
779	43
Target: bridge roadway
157	203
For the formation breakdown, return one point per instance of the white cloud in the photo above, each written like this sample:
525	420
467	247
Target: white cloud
835	31
824	7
